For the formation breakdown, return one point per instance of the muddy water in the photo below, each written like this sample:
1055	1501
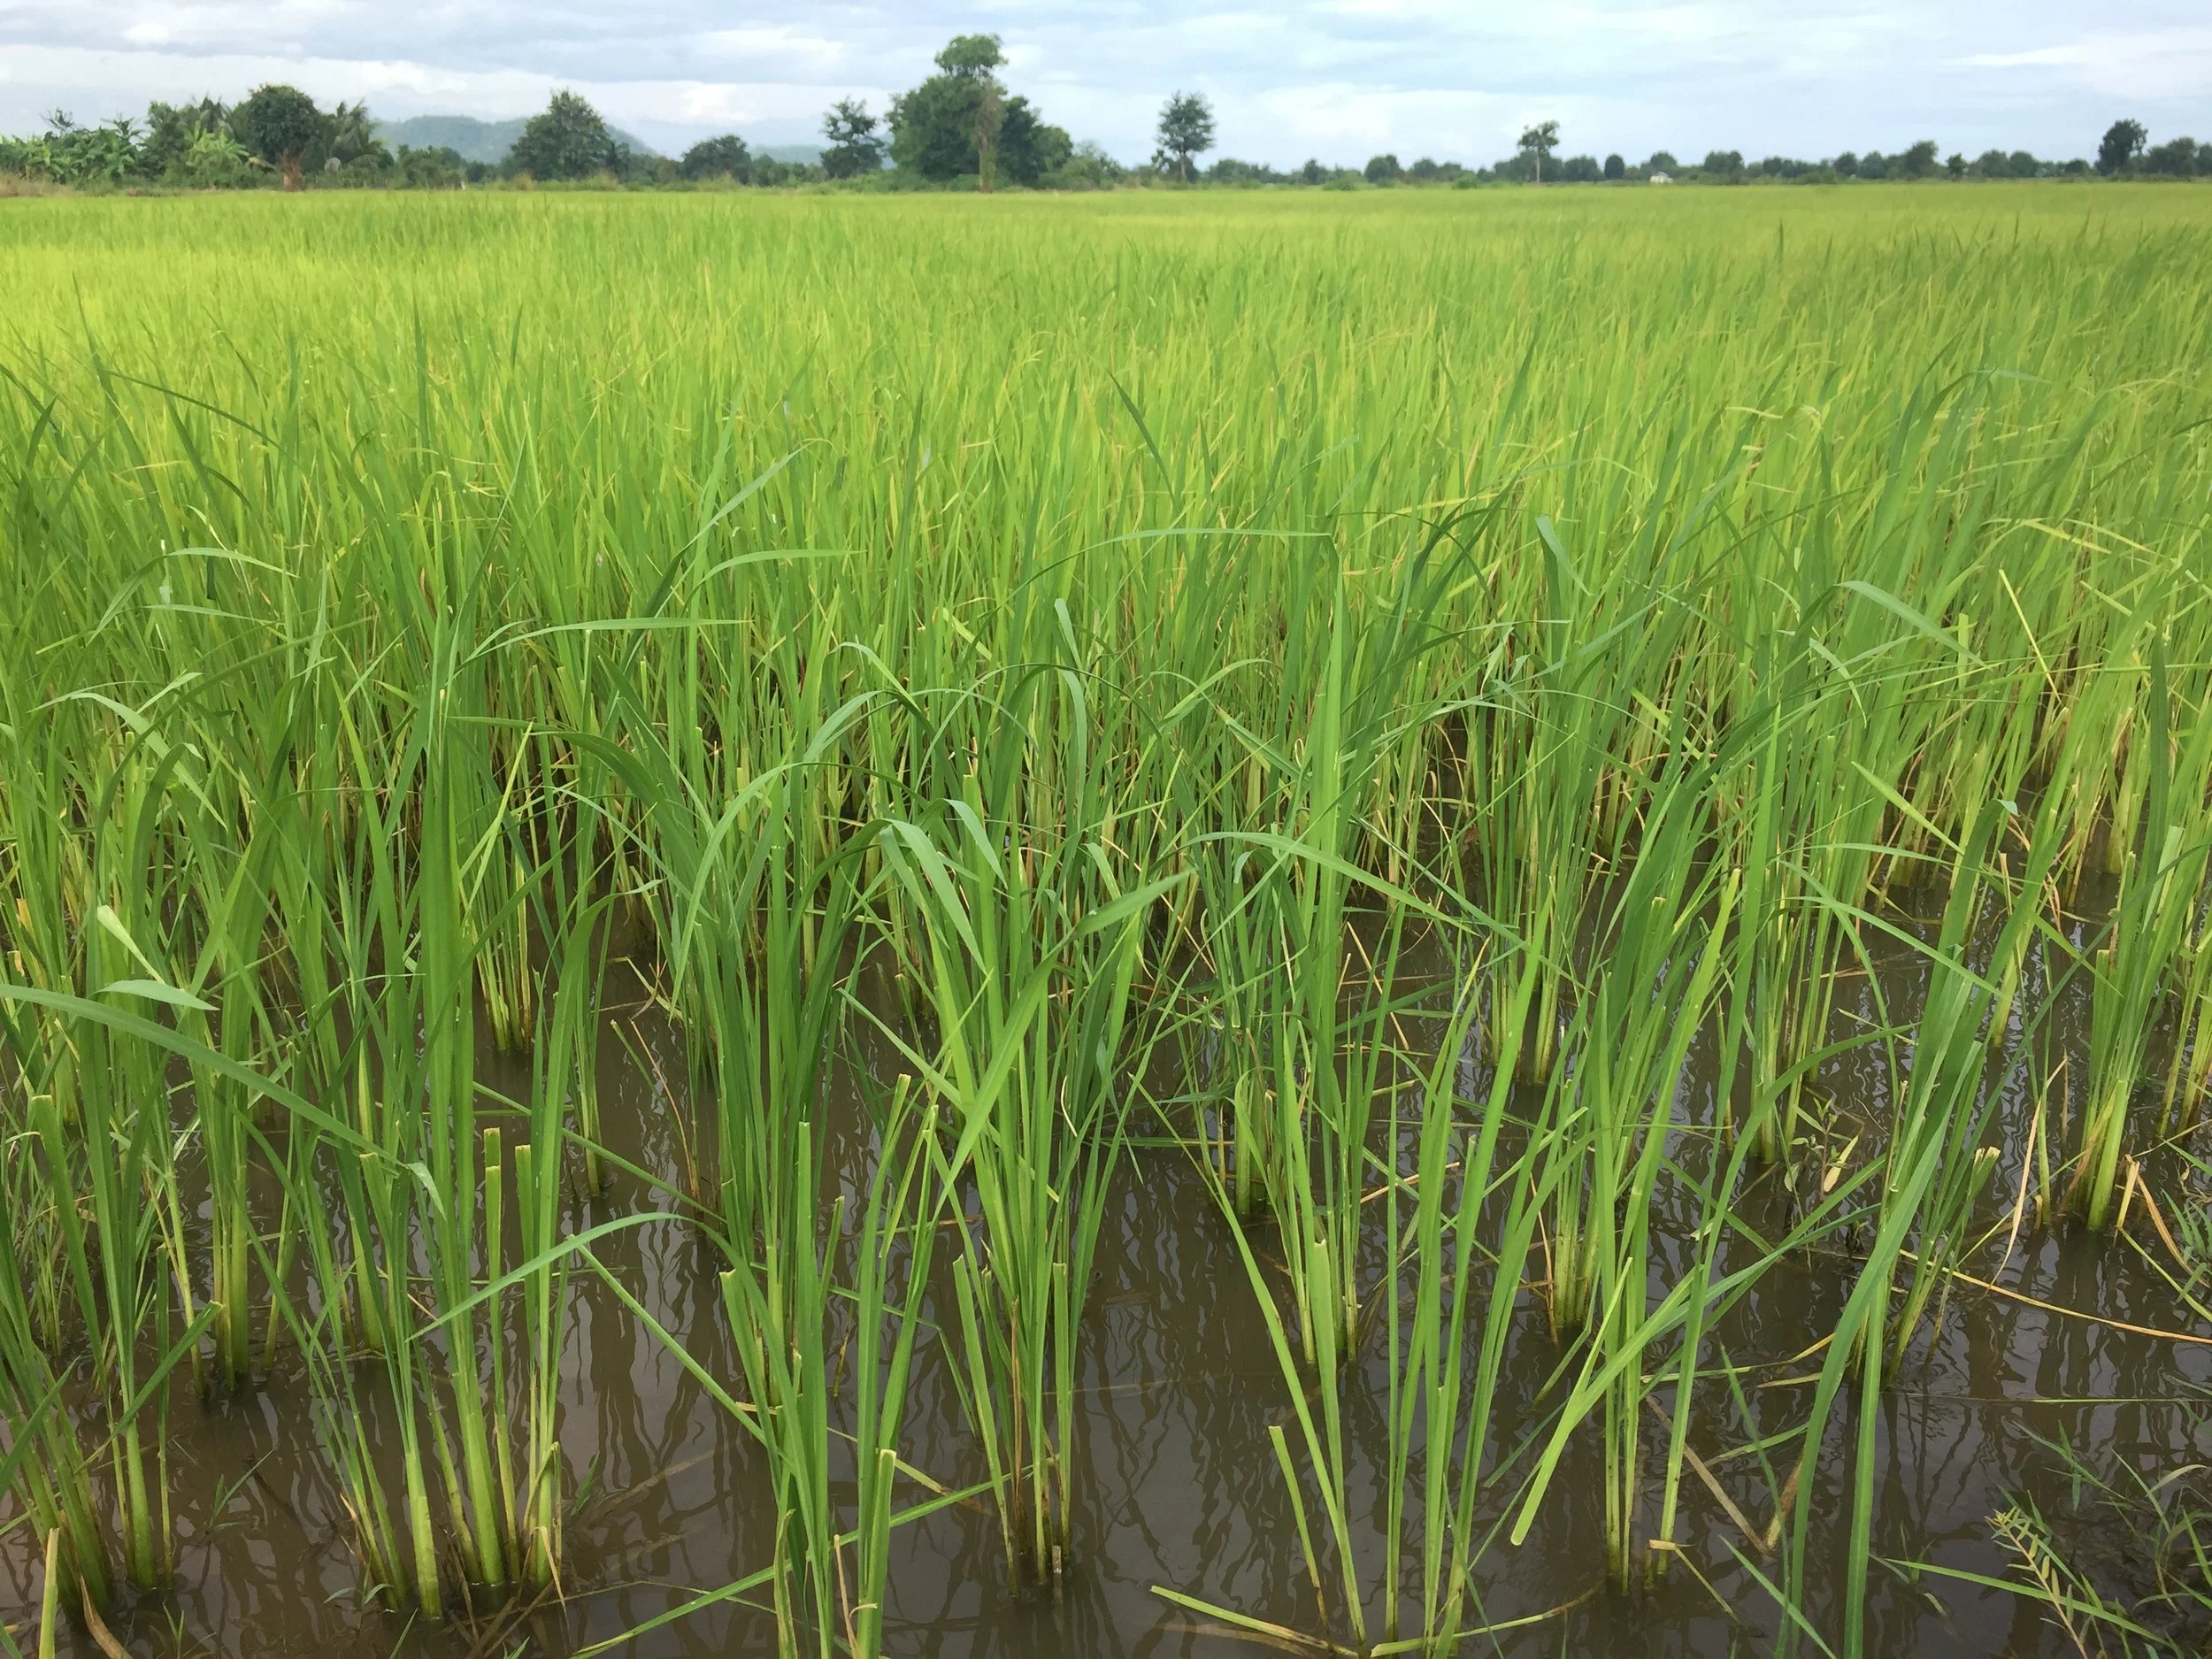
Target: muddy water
1177	1484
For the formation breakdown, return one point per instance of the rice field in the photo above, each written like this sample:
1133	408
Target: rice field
1392	924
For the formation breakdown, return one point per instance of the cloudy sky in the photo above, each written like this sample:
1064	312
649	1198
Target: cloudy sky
1338	79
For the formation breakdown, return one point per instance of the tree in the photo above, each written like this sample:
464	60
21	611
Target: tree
1028	147
1955	164
567	140
281	125
2176	157
349	133
989	117
932	129
1919	160
1382	170
971	58
1186	129
1663	161
1615	167
854	147
171	129
722	158
1540	140
948	126
2122	143
1724	164
1846	165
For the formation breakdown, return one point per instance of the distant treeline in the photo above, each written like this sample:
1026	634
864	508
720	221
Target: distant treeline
959	128
279	137
2124	153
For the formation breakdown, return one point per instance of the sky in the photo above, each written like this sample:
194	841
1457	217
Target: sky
1340	80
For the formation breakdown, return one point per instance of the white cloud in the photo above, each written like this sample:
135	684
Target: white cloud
811	55
2153	64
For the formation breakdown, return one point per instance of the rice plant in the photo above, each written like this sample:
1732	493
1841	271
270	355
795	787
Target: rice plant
1590	761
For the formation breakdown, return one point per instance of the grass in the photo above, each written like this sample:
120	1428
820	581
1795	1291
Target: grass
1236	664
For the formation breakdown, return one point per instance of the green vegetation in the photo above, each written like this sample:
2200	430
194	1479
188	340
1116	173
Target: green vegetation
960	128
1463	718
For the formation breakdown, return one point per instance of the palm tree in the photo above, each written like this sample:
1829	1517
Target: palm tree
352	131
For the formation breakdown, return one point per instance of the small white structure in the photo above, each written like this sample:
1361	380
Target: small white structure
1661	178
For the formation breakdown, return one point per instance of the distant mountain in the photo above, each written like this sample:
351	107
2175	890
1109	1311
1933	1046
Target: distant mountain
473	140
809	154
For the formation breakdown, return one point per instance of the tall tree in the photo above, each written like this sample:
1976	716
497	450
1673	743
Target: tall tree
855	147
2123	142
972	57
1540	140
351	132
949	125
567	140
281	125
1919	160
1186	129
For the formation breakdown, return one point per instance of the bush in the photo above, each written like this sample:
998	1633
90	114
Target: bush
213	160
1088	168
438	168
723	157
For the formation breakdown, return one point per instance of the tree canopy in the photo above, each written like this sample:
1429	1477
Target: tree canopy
960	123
2122	143
567	140
1538	141
1028	146
933	127
855	147
971	56
722	158
1186	129
281	125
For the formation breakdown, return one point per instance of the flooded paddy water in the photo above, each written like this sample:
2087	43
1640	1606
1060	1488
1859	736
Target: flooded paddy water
2063	1378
